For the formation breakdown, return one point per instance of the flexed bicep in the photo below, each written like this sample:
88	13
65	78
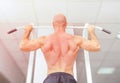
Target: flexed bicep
30	45
89	45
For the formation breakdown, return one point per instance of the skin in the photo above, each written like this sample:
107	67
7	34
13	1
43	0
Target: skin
60	48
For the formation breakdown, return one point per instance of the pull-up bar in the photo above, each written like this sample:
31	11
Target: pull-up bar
69	27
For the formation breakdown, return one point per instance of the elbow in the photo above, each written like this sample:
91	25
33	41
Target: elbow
22	47
94	48
97	48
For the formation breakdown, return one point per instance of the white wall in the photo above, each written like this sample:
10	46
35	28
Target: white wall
9	68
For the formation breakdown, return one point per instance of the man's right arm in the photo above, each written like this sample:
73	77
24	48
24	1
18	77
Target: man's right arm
92	44
27	44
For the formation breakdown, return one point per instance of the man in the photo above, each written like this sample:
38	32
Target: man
60	49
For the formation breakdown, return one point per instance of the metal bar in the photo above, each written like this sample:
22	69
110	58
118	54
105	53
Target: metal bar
68	27
30	68
80	61
31	64
44	27
33	70
74	67
87	60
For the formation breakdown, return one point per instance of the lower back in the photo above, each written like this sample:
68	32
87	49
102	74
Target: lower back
60	69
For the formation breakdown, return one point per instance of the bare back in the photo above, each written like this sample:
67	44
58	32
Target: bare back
60	52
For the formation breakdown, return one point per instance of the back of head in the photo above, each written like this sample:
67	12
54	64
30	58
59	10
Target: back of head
59	20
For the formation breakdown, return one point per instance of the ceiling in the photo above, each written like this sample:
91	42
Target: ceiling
104	13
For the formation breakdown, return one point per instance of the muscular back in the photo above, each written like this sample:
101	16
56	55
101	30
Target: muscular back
60	52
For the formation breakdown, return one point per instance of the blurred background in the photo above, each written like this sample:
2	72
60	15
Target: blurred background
105	65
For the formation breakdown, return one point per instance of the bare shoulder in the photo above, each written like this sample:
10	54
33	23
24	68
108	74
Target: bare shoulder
46	38
42	39
69	35
78	39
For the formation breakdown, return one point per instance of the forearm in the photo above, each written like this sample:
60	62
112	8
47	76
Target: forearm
28	30
95	45
26	35
93	37
25	40
94	41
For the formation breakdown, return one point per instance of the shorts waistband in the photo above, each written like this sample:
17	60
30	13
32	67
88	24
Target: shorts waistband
60	73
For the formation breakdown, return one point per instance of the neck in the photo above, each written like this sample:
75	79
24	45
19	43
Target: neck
59	29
